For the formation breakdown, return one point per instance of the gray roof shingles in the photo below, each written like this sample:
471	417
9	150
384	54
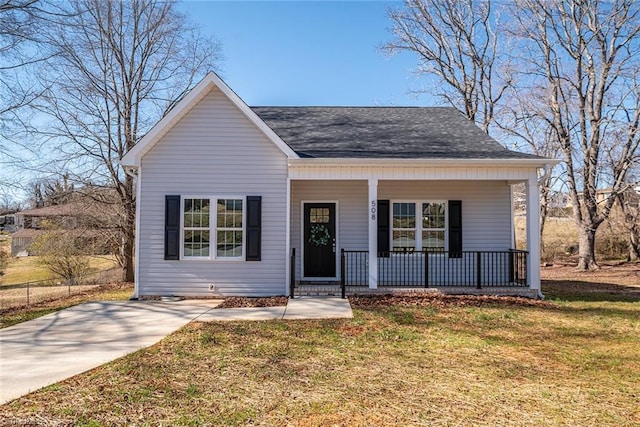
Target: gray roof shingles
383	132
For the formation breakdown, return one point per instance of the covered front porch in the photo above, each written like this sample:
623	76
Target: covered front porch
379	228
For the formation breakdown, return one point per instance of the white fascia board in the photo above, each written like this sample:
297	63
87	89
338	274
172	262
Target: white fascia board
134	156
360	162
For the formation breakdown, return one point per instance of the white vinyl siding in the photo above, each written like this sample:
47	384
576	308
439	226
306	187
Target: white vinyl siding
213	150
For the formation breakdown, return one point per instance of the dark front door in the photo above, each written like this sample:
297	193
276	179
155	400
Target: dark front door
320	240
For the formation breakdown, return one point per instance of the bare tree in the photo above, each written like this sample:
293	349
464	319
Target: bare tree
17	30
630	205
456	42
62	253
519	121
9	203
116	68
18	50
584	57
51	191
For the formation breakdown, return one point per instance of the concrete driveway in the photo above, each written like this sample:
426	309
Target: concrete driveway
49	349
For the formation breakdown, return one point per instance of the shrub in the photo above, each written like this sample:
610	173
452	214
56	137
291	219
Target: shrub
63	254
4	261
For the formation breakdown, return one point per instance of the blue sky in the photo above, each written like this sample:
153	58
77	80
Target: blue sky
305	53
308	53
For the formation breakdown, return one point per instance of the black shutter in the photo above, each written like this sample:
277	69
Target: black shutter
172	227
254	228
383	228
455	229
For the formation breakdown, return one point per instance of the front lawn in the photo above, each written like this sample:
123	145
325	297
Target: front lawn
30	269
443	361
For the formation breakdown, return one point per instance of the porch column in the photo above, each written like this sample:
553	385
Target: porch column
533	233
373	233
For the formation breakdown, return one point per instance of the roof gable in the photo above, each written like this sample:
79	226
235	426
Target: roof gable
186	104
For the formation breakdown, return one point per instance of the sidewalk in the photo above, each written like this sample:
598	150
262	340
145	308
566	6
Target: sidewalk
300	308
60	345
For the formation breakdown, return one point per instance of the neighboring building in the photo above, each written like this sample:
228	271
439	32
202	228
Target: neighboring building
77	219
8	223
604	194
373	196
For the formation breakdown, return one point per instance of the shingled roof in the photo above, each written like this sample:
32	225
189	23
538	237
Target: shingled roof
383	132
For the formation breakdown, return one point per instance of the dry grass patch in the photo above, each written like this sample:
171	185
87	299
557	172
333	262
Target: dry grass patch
442	300
567	363
613	282
242	302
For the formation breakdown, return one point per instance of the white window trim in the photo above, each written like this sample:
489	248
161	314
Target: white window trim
213	228
415	229
418	228
446	223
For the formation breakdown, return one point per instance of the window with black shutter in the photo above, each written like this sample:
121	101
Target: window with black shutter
254	228
172	228
455	229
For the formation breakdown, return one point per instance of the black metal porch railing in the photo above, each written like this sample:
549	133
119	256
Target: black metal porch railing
477	269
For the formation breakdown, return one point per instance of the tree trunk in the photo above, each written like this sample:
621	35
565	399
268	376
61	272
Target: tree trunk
634	244
129	232
587	249
127	258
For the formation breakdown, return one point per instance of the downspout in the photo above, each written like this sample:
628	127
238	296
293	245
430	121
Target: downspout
132	171
545	173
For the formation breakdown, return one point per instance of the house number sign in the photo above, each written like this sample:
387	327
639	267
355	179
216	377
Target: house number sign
373	210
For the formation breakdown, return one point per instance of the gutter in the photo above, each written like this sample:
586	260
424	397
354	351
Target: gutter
132	171
444	162
545	173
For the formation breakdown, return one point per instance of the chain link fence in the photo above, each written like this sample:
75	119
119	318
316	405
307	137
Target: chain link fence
31	293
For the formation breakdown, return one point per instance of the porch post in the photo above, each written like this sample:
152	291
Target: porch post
513	214
533	233
373	233
287	236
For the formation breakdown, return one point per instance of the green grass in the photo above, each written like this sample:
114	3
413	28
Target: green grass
570	362
29	269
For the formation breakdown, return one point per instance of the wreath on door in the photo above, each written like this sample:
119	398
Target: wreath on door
319	235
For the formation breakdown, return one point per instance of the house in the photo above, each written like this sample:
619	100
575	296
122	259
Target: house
8	223
239	200
80	221
632	192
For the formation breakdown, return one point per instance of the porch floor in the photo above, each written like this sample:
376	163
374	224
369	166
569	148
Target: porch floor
334	290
